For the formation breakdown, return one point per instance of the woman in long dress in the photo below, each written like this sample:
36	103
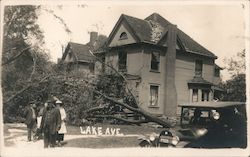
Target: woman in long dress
63	129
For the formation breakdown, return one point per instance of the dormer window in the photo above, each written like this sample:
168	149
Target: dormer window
123	36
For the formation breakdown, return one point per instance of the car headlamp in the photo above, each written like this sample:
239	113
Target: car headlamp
175	140
201	132
152	137
216	115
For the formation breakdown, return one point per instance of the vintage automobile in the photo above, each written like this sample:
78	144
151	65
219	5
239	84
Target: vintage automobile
213	124
205	125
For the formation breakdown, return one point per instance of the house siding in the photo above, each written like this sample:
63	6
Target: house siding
185	71
139	63
152	78
111	59
217	80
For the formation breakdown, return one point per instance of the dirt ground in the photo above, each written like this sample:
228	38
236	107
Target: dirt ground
15	135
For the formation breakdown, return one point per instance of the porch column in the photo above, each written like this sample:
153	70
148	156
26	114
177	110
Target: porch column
190	95
199	94
211	95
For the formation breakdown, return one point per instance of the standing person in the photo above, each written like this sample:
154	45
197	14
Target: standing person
50	124
30	120
63	130
39	120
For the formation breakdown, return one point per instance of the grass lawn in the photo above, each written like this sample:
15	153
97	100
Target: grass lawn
103	142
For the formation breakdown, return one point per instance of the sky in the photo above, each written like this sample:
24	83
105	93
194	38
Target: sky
219	27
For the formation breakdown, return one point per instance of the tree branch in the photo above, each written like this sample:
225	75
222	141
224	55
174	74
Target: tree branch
93	109
120	119
24	89
34	67
15	57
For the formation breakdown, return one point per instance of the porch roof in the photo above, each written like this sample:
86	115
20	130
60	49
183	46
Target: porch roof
212	104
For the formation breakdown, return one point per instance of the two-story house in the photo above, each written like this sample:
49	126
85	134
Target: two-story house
78	57
165	65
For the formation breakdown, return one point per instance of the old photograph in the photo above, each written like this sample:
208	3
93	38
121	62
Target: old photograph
131	78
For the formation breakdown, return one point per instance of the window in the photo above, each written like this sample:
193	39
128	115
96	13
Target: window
122	61
153	100
123	36
92	68
198	68
155	61
195	95
205	95
217	72
70	67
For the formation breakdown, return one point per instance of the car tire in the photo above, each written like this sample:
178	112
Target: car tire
145	144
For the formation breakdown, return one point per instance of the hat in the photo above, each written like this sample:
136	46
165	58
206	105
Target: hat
58	102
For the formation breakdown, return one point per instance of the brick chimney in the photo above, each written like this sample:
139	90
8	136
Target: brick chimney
93	38
170	107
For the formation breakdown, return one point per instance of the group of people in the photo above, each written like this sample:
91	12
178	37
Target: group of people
49	122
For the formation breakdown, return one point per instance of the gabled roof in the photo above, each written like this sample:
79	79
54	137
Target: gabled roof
154	28
81	52
140	27
218	67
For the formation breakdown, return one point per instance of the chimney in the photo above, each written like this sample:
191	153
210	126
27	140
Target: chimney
93	38
170	107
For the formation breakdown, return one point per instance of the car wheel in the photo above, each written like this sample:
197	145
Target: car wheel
145	144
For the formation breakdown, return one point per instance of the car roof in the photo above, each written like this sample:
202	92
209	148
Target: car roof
212	104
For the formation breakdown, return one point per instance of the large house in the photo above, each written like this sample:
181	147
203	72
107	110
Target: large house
166	67
78	57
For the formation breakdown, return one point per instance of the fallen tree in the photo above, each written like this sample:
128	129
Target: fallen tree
146	116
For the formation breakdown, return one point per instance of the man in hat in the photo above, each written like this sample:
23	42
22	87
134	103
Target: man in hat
50	124
30	119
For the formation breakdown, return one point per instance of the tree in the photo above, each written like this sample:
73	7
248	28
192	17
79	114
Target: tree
25	62
236	65
236	86
22	57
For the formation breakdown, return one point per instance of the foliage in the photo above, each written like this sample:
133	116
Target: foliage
25	62
236	65
20	50
70	88
236	86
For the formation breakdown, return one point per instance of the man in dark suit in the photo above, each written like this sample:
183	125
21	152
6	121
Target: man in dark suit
51	123
30	119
